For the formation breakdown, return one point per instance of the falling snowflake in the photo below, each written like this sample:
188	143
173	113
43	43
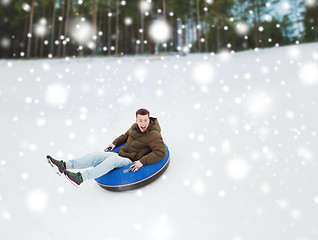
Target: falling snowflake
203	73
37	200
56	94
259	103
308	73
5	42
242	28
237	169
26	7
81	31
160	31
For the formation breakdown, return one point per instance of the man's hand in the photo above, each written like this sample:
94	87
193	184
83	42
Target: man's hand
136	166
110	147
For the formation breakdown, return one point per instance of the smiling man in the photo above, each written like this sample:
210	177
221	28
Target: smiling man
144	145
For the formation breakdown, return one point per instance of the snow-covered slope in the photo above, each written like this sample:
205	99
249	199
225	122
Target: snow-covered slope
241	128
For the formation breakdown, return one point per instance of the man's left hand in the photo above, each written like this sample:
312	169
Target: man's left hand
136	166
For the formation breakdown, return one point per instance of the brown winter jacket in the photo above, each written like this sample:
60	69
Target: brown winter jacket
148	146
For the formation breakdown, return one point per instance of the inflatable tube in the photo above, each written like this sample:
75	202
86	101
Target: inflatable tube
120	179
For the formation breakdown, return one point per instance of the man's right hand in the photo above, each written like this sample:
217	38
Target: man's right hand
110	147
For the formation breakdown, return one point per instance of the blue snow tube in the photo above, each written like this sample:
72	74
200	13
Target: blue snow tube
121	179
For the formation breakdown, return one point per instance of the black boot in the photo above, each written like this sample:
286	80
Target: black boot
75	178
58	165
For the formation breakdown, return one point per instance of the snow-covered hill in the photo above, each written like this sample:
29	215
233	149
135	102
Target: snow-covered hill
241	128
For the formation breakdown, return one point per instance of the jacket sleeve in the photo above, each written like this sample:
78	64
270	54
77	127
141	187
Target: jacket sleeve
121	139
158	151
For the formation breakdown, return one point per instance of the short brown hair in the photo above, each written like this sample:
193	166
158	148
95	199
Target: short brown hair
142	111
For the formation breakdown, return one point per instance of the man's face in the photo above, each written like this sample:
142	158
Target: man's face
143	122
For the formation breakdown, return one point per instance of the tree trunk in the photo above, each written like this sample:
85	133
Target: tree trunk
100	14
125	40
175	35
94	19
122	31
36	44
22	42
30	29
104	28
15	41
66	25
41	38
53	28
131	39
142	30
184	32
198	26
255	25
191	33
258	21
217	29
164	9
109	29
125	35
217	47
116	32
165	19
60	28
206	28
94	23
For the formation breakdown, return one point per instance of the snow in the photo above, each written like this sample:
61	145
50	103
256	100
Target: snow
242	139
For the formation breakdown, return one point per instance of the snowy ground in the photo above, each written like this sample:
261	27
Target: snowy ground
242	132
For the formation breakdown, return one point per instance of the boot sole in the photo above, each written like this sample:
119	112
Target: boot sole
74	183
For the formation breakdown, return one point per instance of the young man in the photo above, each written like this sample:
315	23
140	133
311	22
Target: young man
144	145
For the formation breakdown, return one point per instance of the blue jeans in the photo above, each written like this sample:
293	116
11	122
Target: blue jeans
103	162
